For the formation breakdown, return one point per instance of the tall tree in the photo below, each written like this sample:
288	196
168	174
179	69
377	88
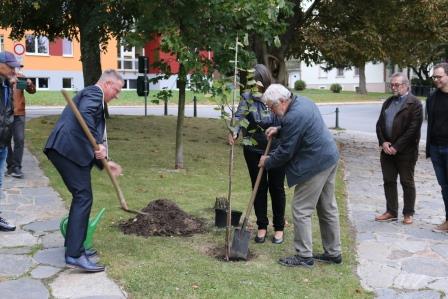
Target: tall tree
93	23
186	27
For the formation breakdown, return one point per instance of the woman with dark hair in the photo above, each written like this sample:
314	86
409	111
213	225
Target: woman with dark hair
260	118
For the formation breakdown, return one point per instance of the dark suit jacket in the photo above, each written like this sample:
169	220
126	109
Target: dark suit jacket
406	126
68	138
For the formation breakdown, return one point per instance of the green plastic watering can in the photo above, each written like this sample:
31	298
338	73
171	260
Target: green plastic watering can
93	222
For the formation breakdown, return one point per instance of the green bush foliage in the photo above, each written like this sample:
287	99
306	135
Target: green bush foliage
336	87
299	85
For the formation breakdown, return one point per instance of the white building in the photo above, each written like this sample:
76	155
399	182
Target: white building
377	76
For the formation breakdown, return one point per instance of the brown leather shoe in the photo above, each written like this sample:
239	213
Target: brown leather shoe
407	219
385	217
442	228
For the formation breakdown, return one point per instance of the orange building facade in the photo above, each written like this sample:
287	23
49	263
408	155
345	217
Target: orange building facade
57	64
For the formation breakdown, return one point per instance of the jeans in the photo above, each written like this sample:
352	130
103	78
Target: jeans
3	154
439	159
18	135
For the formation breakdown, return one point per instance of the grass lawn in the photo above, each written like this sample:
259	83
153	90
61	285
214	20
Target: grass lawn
54	98
185	267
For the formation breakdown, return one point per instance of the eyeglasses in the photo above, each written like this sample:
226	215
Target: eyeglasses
392	85
437	77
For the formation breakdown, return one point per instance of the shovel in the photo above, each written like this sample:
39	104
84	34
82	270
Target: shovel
92	140
241	237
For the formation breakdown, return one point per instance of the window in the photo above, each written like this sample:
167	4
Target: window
340	72
36	44
41	83
67	83
128	57
132	84
2	44
67	48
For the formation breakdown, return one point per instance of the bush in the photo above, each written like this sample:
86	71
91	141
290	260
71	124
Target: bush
299	85
336	87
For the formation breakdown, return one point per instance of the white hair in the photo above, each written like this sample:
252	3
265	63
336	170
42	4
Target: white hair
111	75
275	93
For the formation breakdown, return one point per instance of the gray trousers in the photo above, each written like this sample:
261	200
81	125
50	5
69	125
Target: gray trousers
316	193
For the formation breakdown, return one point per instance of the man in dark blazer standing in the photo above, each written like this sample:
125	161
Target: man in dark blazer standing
72	155
398	132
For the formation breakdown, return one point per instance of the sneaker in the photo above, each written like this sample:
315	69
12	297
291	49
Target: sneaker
408	219
324	257
296	260
5	226
442	228
8	172
17	173
386	217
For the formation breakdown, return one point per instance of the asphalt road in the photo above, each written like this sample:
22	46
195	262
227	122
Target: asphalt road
354	117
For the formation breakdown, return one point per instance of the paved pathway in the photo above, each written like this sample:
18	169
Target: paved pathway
394	260
32	257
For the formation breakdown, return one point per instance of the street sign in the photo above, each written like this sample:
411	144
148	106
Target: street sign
19	49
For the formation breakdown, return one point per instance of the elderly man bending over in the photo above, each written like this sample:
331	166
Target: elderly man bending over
310	155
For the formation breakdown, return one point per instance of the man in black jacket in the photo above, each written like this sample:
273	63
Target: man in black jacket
8	63
437	136
73	156
398	132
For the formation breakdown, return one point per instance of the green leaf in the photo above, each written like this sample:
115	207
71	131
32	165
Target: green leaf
277	41
244	123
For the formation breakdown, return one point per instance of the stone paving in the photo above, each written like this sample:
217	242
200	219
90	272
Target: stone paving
32	262
394	260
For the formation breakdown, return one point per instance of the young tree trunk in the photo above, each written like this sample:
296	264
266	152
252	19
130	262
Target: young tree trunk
181	84
362	79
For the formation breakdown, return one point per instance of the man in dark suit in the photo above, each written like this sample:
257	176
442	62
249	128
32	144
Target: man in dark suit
73	156
398	132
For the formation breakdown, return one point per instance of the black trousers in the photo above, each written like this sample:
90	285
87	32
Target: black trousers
77	180
15	154
272	180
402	164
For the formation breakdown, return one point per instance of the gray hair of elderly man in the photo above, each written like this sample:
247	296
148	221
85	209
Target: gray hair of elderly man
275	93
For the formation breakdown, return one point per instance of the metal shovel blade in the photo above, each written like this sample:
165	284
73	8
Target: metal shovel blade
240	244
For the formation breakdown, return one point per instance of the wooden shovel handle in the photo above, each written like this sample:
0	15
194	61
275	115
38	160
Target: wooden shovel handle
92	140
255	189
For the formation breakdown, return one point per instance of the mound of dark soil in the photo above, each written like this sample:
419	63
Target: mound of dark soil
164	218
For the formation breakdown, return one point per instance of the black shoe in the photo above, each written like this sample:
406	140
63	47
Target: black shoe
295	261
8	172
91	252
328	259
83	263
5	226
277	241
17	173
260	239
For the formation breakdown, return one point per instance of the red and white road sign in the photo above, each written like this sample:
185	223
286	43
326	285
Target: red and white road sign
19	49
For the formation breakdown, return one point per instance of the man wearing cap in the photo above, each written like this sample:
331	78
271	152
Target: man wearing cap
8	63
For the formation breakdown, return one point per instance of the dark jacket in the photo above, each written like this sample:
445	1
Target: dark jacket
406	125
429	110
6	115
68	138
259	118
306	145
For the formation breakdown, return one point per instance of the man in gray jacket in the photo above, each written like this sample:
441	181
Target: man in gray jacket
310	155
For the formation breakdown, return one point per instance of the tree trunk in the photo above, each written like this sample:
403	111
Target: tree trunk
362	79
181	84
